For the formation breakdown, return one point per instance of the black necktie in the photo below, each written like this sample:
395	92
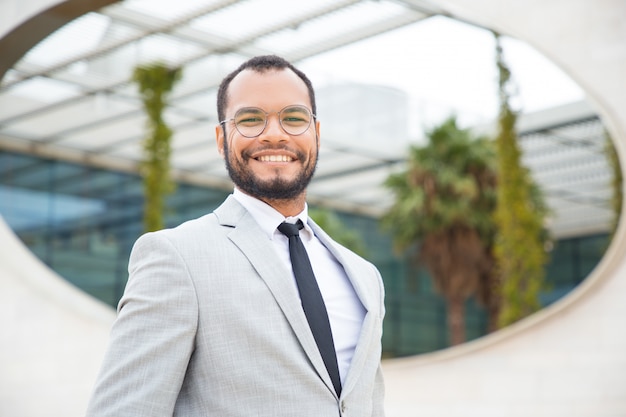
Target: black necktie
312	301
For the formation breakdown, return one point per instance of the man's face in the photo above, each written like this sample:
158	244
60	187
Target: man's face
274	165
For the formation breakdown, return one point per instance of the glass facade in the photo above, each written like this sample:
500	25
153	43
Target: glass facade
82	221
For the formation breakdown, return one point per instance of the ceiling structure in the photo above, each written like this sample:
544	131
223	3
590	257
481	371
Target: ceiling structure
71	98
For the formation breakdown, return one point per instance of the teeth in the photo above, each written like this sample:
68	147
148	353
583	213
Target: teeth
275	158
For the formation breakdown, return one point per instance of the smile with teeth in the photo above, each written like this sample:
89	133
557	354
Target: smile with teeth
275	158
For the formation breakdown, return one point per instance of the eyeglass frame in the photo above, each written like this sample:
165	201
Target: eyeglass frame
267	114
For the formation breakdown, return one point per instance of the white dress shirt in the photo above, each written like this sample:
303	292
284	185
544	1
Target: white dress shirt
345	311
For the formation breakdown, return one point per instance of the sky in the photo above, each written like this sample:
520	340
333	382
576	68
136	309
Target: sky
447	67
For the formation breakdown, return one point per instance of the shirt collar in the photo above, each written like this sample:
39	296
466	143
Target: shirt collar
268	217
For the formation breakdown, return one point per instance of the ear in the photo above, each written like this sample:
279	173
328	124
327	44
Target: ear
219	139
317	133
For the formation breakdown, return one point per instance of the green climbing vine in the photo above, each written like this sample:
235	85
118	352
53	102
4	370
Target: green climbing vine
616	181
520	245
155	82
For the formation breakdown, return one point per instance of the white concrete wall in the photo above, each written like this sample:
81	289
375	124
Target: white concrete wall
15	12
568	360
52	337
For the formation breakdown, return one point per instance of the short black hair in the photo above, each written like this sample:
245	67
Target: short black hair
260	64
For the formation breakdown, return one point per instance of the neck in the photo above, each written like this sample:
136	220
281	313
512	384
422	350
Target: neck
288	208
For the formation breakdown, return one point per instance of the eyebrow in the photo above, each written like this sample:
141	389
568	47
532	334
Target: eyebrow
294	109
251	110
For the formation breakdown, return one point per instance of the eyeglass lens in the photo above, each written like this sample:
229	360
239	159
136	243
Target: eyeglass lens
251	121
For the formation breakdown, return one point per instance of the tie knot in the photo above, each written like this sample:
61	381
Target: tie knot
289	229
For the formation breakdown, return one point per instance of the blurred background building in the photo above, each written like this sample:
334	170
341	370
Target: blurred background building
71	125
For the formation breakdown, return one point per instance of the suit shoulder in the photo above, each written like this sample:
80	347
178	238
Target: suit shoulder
188	230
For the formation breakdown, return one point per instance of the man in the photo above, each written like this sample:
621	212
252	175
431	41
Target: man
211	322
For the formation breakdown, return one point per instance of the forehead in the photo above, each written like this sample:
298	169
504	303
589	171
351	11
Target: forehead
270	90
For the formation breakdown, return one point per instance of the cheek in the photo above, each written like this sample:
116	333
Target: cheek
232	145
315	148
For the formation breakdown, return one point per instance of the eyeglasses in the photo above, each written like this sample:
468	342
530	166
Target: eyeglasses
252	121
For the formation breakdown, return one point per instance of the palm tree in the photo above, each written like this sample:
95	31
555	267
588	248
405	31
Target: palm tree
445	201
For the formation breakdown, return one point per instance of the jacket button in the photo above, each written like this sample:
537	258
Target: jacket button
343	407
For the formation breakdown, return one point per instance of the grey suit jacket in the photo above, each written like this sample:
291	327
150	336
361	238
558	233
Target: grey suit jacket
210	324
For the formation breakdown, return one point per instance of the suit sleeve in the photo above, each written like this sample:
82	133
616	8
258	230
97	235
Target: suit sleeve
152	338
379	384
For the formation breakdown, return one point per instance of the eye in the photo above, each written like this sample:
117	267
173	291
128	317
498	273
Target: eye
294	120
249	117
250	120
295	116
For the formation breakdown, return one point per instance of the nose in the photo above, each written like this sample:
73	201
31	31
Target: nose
273	131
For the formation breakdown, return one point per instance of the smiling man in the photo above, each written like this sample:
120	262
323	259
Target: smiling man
251	310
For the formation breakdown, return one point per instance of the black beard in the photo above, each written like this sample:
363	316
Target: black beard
274	189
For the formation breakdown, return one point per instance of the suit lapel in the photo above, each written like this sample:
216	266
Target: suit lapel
250	239
367	295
